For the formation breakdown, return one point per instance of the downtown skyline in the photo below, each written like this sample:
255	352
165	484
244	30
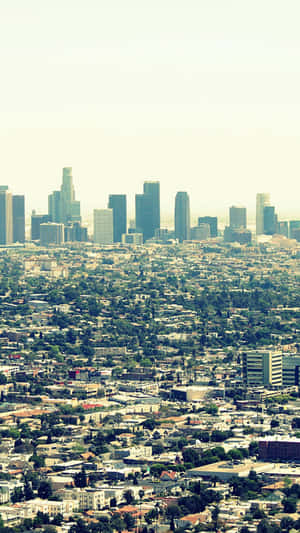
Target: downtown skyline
203	98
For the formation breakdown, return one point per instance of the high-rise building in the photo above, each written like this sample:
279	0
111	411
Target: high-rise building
152	188
294	229
6	219
117	202
144	215
291	370
62	206
262	200
213	224
182	216
200	232
240	235
18	210
147	210
262	368
283	228
51	233
36	221
270	220
103	226
55	207
237	217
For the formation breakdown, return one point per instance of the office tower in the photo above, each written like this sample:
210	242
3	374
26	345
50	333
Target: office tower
103	226
296	234
62	206
144	215
240	235
55	207
200	233
6	220
117	202
262	200
270	220
51	233
213	224
237	217
132	238
290	370
283	228
18	210
294	227
262	368
36	221
152	188
182	216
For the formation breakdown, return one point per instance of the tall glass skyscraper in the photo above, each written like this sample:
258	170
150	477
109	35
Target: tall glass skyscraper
237	217
262	200
117	202
6	224
18	210
62	206
182	216
152	188
147	210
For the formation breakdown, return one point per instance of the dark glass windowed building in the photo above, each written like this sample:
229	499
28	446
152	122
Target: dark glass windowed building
182	216
117	202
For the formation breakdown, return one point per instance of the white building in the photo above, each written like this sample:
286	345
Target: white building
92	499
103	226
262	367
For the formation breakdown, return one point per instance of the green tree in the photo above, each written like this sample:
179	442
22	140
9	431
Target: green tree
45	490
289	505
128	496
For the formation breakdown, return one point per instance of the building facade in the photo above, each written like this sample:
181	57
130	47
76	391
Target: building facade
117	202
237	217
262	368
270	220
103	226
51	233
6	218
262	200
213	224
18	210
182	216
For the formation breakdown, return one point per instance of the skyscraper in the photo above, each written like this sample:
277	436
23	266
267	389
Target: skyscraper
144	215
18	210
237	217
62	206
270	220
36	221
152	188
262	200
117	202
294	228
103	226
6	221
51	233
182	216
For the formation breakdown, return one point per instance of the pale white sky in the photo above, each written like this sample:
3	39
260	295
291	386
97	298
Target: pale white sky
203	95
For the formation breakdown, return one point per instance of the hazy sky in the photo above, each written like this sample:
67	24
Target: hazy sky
203	95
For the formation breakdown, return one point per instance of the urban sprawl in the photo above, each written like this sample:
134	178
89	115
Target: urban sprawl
149	377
